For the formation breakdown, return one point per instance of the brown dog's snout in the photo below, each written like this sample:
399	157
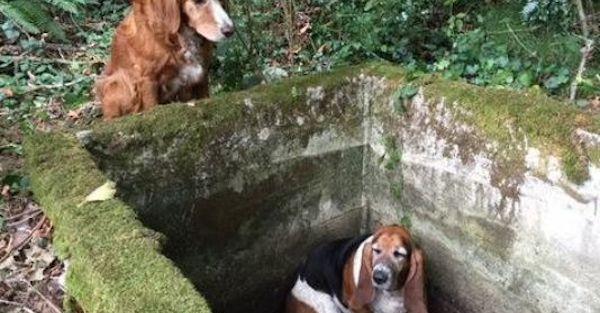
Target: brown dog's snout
228	30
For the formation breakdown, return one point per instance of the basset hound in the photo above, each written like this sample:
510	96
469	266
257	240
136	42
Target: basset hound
363	274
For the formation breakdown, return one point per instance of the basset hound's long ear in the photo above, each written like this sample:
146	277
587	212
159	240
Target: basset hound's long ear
417	259
415	294
163	16
364	292
408	267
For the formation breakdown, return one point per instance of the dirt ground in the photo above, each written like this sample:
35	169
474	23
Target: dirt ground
32	277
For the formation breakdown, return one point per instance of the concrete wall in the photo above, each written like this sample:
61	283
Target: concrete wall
534	247
504	228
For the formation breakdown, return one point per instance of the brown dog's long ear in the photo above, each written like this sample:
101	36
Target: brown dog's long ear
163	16
365	292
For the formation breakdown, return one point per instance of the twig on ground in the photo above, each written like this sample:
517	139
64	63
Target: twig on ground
24	242
518	30
8	251
33	88
17	304
12	224
5	58
50	303
16	216
586	51
46	46
520	42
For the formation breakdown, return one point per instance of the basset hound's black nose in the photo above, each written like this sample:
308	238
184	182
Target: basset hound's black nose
380	277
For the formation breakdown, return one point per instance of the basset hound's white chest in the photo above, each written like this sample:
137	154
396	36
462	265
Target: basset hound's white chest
388	302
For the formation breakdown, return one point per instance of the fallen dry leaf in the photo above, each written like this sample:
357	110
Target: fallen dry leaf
102	193
6	192
37	260
594	104
305	28
74	114
7	92
323	48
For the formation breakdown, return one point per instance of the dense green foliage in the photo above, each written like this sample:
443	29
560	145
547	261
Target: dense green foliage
53	50
552	14
40	75
517	44
35	16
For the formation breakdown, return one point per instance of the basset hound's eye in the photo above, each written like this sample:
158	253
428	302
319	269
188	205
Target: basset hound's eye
398	254
200	1
377	251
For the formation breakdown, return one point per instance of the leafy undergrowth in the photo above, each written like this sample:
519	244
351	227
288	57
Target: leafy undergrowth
45	82
489	44
31	276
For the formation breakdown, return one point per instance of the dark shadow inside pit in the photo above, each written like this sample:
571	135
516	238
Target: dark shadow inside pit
239	242
239	234
240	211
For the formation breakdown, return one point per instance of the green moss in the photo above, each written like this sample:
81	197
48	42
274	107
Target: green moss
396	188
595	156
575	168
394	156
506	116
390	71
223	111
406	221
115	265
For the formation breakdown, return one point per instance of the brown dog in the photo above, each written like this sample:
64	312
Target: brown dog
161	53
370	273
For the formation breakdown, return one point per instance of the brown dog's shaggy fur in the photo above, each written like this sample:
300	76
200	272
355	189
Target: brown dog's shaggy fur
161	53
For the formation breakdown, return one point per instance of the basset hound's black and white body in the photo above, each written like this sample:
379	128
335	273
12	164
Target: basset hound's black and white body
361	274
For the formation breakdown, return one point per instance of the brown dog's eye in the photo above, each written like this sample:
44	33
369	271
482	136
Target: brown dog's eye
377	251
200	1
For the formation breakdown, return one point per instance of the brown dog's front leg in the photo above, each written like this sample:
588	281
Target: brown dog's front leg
148	92
415	296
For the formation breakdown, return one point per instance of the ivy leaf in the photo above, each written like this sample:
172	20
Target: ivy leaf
407	91
10	31
402	95
525	79
472	69
442	65
370	5
556	81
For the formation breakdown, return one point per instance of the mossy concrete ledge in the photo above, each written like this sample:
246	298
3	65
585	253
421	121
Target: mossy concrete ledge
219	200
114	261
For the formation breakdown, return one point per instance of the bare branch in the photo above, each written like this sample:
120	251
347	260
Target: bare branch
48	301
17	304
586	51
18	58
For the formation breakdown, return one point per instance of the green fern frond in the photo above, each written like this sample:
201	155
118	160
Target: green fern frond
71	6
56	31
35	13
18	16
